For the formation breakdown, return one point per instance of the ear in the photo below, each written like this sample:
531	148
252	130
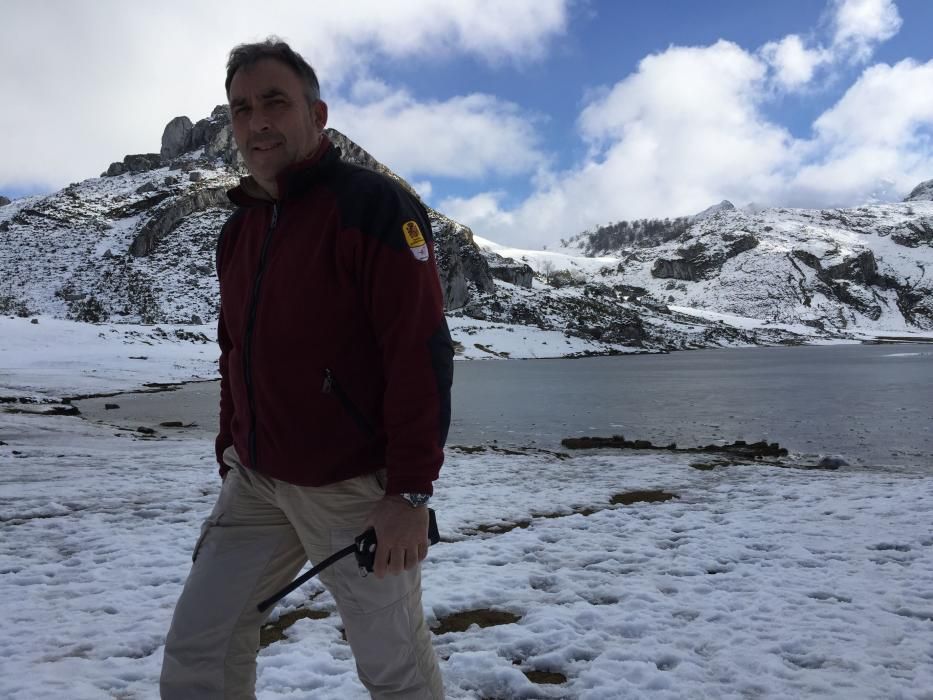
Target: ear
319	114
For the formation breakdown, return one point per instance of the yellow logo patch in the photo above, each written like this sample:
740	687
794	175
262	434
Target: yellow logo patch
413	234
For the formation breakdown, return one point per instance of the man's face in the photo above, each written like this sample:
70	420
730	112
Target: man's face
273	124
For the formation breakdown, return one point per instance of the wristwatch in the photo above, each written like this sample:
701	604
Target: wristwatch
416	500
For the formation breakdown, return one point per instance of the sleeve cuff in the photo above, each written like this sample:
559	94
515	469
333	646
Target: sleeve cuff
408	484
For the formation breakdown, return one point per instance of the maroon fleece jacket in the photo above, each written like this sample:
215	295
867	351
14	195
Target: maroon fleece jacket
335	357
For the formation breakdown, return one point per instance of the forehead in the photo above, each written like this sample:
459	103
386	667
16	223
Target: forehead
264	76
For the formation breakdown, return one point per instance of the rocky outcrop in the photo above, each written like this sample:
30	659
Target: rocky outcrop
172	213
459	261
509	270
214	135
4	201
724	205
912	234
135	163
700	261
176	138
861	269
923	191
666	268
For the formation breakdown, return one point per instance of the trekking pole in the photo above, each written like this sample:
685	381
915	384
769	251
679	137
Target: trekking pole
364	547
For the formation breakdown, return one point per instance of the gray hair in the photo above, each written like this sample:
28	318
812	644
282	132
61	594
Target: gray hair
246	55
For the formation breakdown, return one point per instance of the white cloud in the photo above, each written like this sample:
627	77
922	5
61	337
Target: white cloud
856	27
485	211
424	188
687	130
465	137
879	130
86	83
671	138
793	62
860	24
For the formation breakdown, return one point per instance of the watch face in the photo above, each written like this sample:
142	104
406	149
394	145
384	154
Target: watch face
416	499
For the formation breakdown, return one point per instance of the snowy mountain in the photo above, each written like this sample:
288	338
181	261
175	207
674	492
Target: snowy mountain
922	192
136	246
834	270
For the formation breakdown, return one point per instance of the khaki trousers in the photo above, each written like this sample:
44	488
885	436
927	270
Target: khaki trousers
259	535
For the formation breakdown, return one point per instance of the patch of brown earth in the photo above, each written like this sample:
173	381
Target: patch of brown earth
630	497
484	617
275	631
545	677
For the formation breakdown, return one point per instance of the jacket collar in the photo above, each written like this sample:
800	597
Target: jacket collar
292	181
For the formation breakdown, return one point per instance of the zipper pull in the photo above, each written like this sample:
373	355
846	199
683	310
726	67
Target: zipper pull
328	382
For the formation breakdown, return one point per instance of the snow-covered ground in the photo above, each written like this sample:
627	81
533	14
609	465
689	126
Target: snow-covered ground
754	582
55	358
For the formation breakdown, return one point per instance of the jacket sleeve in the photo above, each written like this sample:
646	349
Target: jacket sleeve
224	434
404	301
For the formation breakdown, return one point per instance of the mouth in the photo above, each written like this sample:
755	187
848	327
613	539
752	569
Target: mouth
265	147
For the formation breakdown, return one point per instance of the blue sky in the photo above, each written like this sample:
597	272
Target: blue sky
529	120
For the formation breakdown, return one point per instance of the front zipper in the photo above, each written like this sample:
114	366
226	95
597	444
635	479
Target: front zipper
248	342
330	386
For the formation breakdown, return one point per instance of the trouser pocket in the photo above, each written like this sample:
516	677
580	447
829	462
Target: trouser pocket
205	530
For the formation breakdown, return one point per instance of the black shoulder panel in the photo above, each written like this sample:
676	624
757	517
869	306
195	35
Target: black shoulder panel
377	206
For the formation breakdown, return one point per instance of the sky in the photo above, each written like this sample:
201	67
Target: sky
530	120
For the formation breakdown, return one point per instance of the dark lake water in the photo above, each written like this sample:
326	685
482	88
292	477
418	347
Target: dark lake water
870	404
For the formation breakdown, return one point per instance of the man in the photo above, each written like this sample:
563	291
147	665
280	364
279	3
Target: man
336	366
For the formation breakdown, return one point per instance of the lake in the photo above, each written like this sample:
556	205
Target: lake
871	404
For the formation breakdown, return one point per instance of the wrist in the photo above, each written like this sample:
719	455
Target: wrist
413	499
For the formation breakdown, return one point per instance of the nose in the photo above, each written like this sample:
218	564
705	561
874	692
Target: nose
259	120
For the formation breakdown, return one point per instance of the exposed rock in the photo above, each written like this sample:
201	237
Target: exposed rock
739	448
832	462
4	201
742	244
222	145
699	261
459	260
141	162
194	176
912	234
146	187
862	269
675	269
509	270
138	207
724	205
176	138
169	215
923	191
114	170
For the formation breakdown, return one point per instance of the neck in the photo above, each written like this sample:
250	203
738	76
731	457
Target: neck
269	187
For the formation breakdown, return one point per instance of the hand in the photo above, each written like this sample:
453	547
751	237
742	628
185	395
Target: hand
401	535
